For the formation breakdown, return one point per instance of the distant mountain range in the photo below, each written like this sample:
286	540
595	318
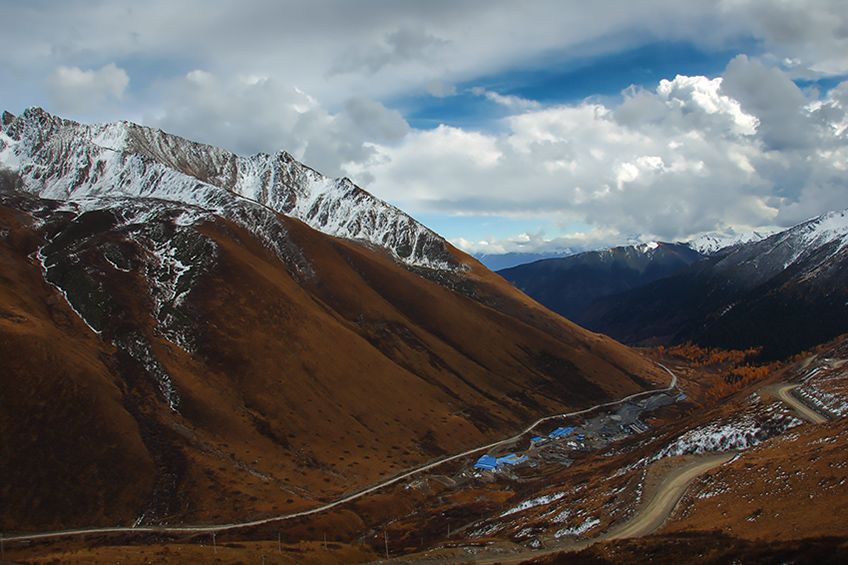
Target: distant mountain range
786	293
185	332
783	293
570	285
499	262
705	245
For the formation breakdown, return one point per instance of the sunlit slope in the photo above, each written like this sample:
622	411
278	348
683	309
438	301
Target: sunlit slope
256	382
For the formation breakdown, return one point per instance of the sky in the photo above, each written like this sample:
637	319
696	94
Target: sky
508	127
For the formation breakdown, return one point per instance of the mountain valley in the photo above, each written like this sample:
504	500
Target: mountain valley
236	361
211	358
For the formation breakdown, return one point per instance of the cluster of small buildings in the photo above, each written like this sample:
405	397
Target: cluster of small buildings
591	434
557	435
489	463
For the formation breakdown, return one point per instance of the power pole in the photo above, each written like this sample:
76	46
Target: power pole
214	543
386	538
279	544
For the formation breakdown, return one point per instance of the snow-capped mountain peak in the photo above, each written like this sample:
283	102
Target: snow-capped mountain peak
827	228
64	160
711	243
647	247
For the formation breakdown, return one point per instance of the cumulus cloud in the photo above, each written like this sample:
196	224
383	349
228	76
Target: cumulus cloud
683	155
71	89
812	37
692	155
439	89
252	114
538	243
402	46
777	102
373	121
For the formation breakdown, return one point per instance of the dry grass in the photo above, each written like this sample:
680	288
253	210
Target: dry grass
305	384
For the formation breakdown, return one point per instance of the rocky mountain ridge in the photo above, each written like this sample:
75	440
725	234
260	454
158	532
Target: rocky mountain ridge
85	164
784	293
175	351
570	285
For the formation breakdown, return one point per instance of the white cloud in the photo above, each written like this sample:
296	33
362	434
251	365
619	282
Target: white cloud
693	155
538	243
320	80
513	102
335	49
380	48
373	121
408	44
71	89
439	89
812	35
252	114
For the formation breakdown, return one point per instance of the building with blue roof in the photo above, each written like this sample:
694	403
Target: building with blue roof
486	463
560	432
489	463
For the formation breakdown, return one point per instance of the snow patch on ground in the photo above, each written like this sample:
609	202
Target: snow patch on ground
739	434
825	388
578	530
533	502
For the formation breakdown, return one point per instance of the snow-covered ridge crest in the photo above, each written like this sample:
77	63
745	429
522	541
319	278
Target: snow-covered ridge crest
64	160
713	243
811	250
828	228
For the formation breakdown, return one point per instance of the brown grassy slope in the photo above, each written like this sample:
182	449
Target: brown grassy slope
365	369
304	385
791	487
782	501
62	423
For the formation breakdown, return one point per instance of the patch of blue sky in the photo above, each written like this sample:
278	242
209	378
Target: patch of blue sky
822	84
486	227
465	110
561	79
145	69
609	75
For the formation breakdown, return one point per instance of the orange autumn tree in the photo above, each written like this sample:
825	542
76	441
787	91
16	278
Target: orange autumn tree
733	367
698	356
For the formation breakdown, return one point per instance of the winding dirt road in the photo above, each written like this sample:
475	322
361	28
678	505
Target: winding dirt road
208	529
661	505
785	394
649	517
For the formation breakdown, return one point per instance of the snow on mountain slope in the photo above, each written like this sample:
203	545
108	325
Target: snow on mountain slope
713	243
784	294
801	252
64	160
